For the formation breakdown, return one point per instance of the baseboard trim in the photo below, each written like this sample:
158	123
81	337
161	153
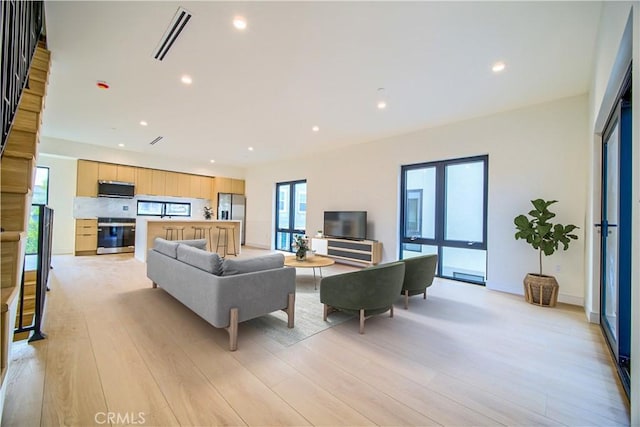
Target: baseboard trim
571	300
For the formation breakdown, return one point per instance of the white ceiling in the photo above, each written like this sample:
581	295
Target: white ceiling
301	64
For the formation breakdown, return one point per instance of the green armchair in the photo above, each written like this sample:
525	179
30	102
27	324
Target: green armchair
365	292
418	276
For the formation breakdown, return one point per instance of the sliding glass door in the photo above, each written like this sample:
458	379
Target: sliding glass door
444	211
615	235
291	212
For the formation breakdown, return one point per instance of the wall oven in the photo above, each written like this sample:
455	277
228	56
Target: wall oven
116	235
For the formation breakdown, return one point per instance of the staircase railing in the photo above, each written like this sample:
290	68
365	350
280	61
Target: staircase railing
45	232
20	28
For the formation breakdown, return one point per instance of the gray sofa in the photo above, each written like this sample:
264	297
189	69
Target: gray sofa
222	292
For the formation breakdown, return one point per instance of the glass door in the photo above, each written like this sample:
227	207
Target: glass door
615	236
291	213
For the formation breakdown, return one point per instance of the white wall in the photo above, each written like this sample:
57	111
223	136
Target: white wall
62	190
540	151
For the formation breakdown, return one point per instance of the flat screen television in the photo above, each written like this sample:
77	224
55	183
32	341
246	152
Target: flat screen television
346	224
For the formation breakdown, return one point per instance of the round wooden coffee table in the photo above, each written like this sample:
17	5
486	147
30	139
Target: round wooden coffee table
317	261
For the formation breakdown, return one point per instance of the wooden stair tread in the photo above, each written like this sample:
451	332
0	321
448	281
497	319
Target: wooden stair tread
10	236
8	295
18	154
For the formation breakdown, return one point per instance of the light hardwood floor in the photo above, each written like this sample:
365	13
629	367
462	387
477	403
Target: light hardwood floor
465	356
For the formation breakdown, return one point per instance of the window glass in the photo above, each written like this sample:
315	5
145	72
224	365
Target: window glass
419	203
464	194
41	187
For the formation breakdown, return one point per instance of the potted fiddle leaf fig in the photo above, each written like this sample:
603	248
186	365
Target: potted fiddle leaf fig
545	237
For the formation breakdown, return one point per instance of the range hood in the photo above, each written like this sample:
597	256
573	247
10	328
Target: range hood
124	190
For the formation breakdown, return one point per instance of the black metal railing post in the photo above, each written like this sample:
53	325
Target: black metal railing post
45	233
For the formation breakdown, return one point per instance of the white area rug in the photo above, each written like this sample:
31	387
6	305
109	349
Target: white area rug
308	317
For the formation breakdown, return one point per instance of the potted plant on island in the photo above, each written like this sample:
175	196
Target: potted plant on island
546	238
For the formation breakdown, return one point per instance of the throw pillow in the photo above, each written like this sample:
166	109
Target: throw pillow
197	243
165	247
207	261
241	266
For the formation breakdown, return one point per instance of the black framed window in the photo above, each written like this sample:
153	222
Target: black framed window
291	212
40	197
162	209
444	212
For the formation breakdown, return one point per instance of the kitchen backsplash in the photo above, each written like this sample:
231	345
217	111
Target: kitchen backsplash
94	207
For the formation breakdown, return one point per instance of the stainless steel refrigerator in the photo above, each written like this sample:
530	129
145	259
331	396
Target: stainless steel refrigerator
232	206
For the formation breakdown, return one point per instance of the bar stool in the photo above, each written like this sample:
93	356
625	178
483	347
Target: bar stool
169	230
225	244
201	232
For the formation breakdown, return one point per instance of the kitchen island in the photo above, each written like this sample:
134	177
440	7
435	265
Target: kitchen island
147	229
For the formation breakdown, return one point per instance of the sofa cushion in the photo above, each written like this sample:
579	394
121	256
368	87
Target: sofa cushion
207	261
165	247
241	266
196	243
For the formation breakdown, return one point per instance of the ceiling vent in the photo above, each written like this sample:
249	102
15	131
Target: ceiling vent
176	26
155	141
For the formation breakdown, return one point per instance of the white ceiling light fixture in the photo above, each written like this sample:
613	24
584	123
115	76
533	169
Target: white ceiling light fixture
250	148
315	129
498	67
240	23
121	145
382	102
186	79
212	161
143	123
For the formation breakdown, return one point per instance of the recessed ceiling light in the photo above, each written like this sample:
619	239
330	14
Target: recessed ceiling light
315	128
186	79
250	148
382	105
143	123
212	161
498	66
240	23
120	145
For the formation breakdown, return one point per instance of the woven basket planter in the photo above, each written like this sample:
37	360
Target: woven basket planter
541	290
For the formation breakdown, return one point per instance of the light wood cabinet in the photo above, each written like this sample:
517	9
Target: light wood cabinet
205	187
222	185
87	179
86	236
143	181
237	186
157	182
195	186
126	173
171	181
107	172
184	184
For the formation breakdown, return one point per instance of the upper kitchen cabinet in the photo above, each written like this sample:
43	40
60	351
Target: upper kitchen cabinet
221	185
144	181
158	181
184	184
237	186
126	174
200	187
172	184
107	172
87	179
